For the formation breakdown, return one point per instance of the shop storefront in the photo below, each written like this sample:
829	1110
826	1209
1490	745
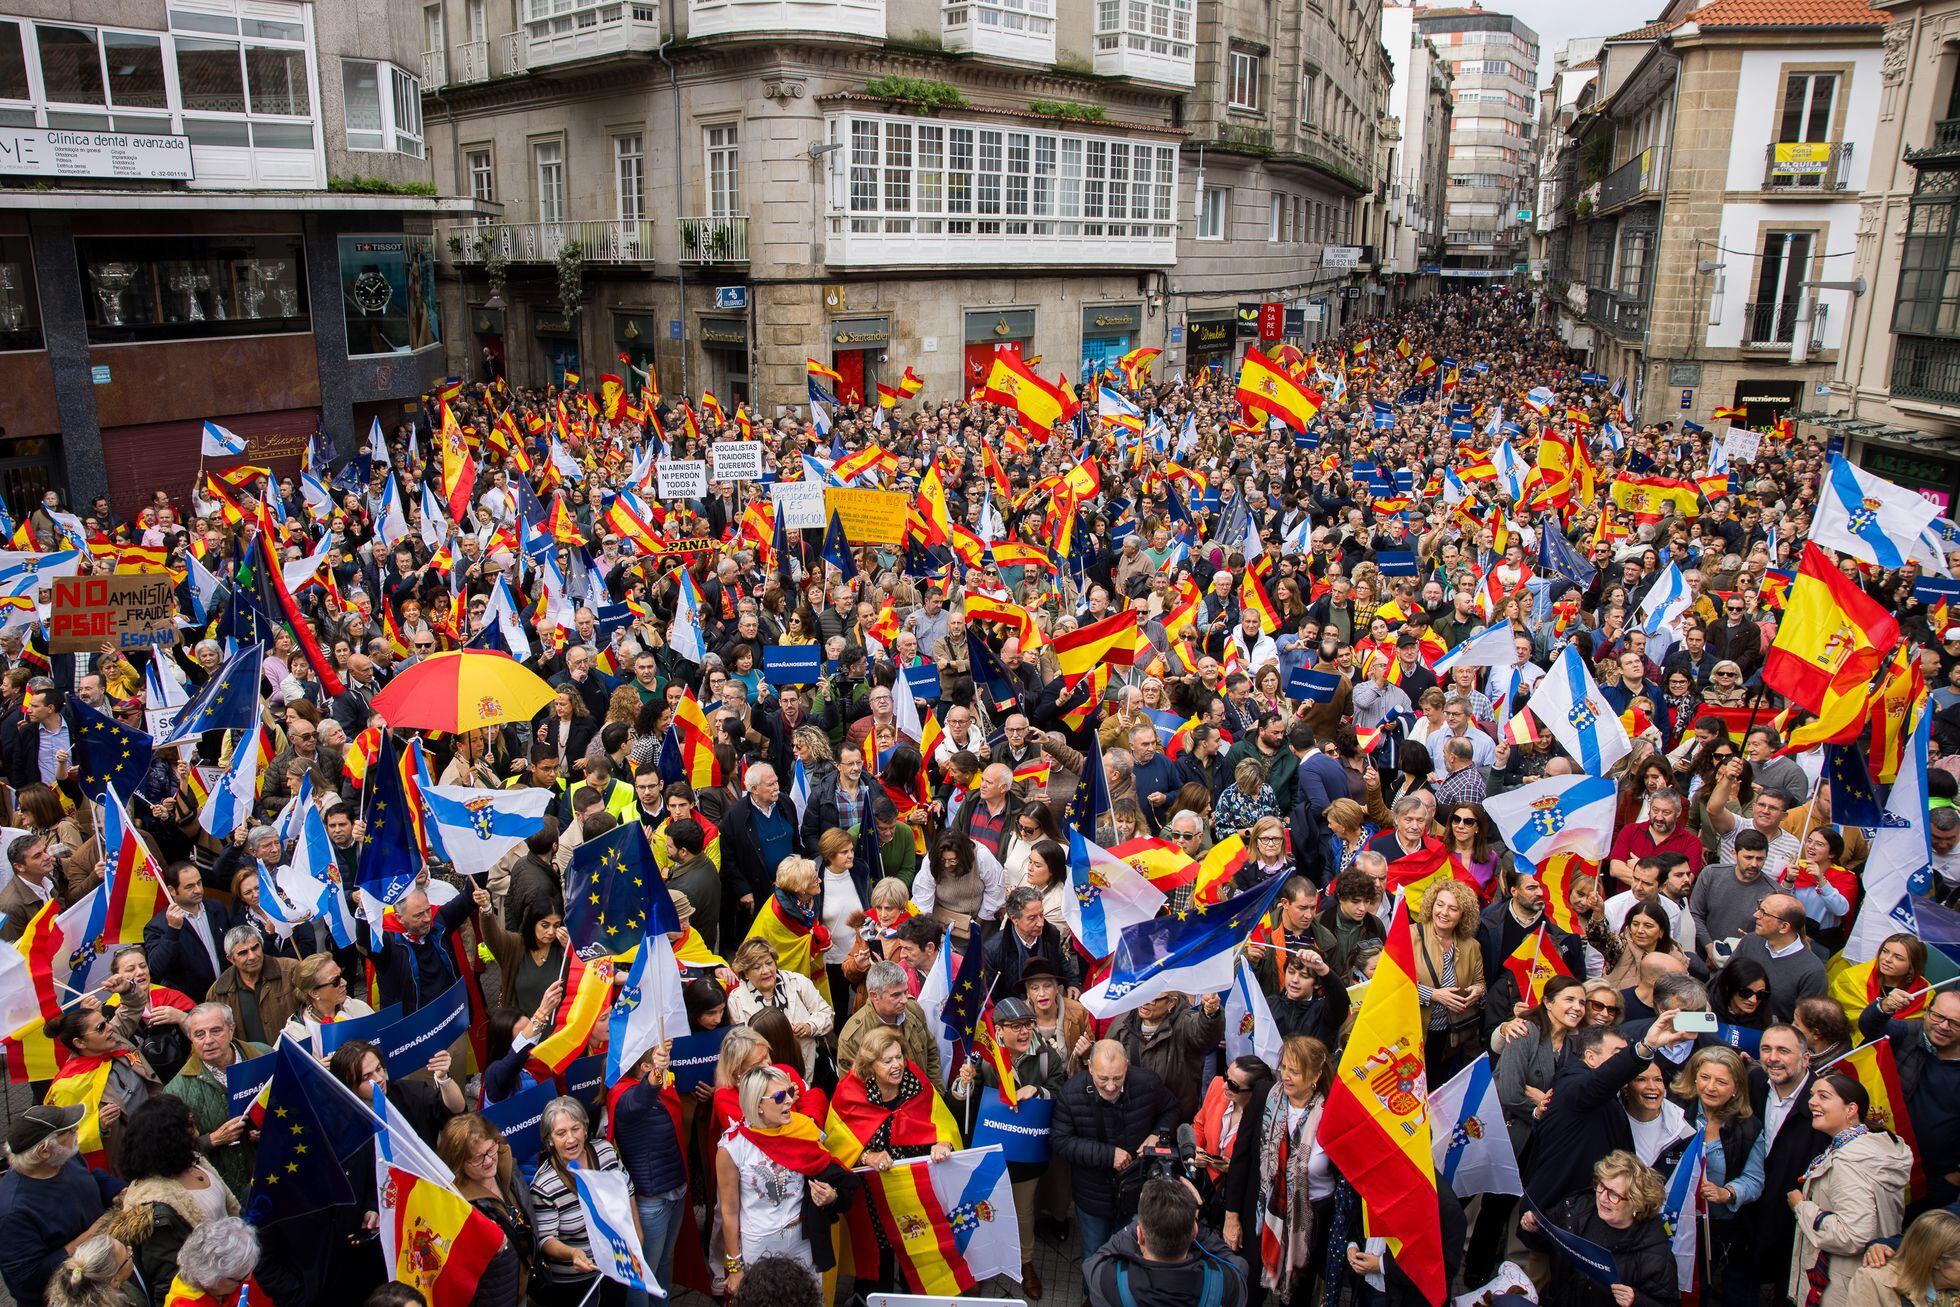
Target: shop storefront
1211	335
1934	479
487	333
725	351
1767	401
1109	331
557	347
995	331
633	337
858	348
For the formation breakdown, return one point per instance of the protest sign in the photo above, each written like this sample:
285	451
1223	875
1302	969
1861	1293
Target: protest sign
585	1080
1587	1257
790	664
133	611
1021	1133
693	1059
682	478
517	1120
244	1081
924	681
737	460
370	1028
799	504
870	517
1742	444
408	1045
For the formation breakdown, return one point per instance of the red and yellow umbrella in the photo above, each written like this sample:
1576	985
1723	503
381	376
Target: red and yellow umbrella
460	691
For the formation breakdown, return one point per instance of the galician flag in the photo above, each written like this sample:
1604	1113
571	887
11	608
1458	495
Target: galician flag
1680	1213
472	829
1108	895
1570	705
1869	517
605	1199
1560	814
1470	1141
1249	1024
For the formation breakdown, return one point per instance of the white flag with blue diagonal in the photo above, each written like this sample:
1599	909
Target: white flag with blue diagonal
1471	1143
1666	600
1107	894
221	443
1869	517
1570	705
648	1010
606	1200
1680	1214
1249	1026
1494	646
1560	814
476	828
233	797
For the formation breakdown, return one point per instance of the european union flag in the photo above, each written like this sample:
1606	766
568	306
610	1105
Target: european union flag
113	756
390	856
614	894
965	1001
924	560
988	669
837	548
1556	555
491	638
309	1131
228	701
529	506
1854	800
1091	798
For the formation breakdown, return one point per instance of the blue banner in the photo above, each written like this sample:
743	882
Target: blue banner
1931	589
1021	1133
791	664
1393	562
244	1080
694	1057
370	1028
1310	686
924	681
585	1080
1745	1041
1587	1257
411	1042
517	1117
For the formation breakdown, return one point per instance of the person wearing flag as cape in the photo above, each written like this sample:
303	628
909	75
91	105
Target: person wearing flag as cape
779	1188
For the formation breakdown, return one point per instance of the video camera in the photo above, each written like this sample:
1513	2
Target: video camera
1172	1163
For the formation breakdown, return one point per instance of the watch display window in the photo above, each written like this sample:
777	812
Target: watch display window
388	291
137	288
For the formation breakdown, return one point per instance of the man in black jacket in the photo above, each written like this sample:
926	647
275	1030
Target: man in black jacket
1516	915
1104	1116
184	943
1584	1121
1779	1096
1027	936
1163	1258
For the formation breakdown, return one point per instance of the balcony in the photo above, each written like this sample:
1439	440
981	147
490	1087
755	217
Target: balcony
1623	314
587	29
1926	368
435	68
1639	178
1007	29
818	17
714	240
1944	145
1806	167
861	243
1244	136
1774	326
598	241
1145	56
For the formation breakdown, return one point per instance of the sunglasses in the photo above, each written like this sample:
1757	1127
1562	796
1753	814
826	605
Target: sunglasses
782	1096
1754	991
1463	821
1595	1005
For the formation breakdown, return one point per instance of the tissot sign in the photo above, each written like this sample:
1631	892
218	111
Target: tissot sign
44	152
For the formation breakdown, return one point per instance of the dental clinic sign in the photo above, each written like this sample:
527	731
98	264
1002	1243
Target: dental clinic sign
112	156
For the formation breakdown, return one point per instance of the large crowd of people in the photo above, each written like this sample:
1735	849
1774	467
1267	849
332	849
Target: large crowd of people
837	843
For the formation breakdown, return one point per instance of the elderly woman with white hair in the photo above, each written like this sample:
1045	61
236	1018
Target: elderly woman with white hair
778	1187
565	1270
215	1262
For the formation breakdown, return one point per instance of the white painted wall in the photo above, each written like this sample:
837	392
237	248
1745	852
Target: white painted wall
1759	110
1740	224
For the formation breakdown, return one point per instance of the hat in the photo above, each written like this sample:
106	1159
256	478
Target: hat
1012	1009
1038	969
1409	638
40	1121
683	909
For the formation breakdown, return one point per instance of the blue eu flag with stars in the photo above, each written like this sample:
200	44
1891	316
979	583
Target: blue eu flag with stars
113	756
965	1003
228	701
614	894
390	856
310	1129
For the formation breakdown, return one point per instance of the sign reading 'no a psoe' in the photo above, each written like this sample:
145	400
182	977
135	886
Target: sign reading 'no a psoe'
133	611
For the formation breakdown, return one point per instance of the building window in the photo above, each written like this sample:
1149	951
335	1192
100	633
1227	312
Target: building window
20	316
1309	89
1634	247
432	37
479	28
1276	218
629	176
1780	272
383	107
1032	17
388	288
1245	80
1157	27
725	171
1213	204
1929	270
1808	101
140	288
548	165
483	178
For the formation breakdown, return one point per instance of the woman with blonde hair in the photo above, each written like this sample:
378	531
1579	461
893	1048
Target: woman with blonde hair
1925	1269
1735	1146
1449	976
96	1274
766	985
1348	833
766	1165
1621	1213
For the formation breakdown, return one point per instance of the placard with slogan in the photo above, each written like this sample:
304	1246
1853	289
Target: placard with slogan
682	478
133	611
1021	1132
800	503
244	1081
870	517
694	1057
369	1028
790	664
737	460
411	1042
517	1118
1742	444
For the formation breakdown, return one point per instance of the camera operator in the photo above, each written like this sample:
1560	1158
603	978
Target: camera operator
1164	1258
1104	1117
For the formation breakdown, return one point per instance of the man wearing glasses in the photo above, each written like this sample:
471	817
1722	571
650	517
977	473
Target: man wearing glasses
1795	973
1929	1072
1738	638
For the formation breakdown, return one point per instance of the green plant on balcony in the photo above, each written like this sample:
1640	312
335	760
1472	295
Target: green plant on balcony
571	278
1597	157
378	186
1069	109
496	263
1583	209
926	94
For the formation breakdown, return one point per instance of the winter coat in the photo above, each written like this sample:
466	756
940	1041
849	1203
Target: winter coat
1088	1130
1855	1195
1120	1264
1641	1251
1176	1050
156	1216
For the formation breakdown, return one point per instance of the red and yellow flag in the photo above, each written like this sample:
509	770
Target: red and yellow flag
1109	642
1375	1127
1265	387
442	1244
588	995
1874	1067
458	469
1013	384
1832	639
1533	964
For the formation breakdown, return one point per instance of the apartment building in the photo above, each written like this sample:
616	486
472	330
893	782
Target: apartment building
1421	101
715	190
208	209
1708	203
1493	61
1896	397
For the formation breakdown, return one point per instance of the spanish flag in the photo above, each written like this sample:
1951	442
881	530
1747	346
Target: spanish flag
695	740
1375	1127
458	469
1264	387
1012	383
1874	1067
933	508
1109	642
1737	413
996	474
1136	364
1254	594
911	383
81	1082
588	995
1832	639
1533	964
1161	862
800	944
816	369
1556	874
443	1245
1213	883
612	395
1900	688
1647	497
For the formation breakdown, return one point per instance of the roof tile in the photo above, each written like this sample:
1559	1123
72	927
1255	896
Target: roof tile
1789	13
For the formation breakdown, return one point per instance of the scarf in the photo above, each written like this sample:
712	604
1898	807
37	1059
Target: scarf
1874	992
1286	1220
796	1146
906	1127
